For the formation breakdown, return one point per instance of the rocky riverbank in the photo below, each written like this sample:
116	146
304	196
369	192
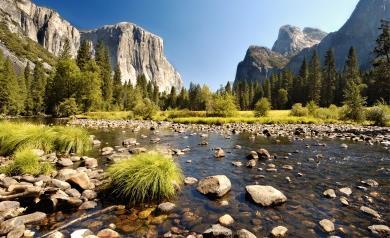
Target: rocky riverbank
367	134
34	206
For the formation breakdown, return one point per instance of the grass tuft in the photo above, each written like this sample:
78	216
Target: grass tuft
145	178
26	162
72	140
19	136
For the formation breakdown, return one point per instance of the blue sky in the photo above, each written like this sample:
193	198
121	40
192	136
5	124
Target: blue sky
205	39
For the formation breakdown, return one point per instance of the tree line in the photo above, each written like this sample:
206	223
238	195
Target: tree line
324	84
88	83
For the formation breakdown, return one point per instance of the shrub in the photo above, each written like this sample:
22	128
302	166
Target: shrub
222	105
298	110
184	113
67	108
262	107
145	109
312	107
354	102
145	177
332	112
379	114
26	162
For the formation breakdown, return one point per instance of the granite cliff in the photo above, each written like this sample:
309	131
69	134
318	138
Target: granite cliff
135	50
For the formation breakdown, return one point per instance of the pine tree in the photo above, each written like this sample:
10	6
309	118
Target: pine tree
29	104
37	88
314	79
65	84
9	98
117	87
267	90
351	69
84	55
90	95
156	94
228	88
380	84
302	85
103	61
172	98
328	89
66	51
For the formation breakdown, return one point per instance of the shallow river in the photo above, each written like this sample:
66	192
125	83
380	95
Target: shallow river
315	169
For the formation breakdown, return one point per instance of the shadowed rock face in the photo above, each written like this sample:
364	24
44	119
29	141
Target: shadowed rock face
360	31
259	63
135	50
292	39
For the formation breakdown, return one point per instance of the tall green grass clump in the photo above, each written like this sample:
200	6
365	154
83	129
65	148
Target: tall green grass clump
19	136
332	112
72	140
26	162
145	178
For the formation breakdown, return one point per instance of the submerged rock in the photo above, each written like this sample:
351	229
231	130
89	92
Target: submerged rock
219	153
370	211
243	233
81	233
380	229
217	185
226	220
190	180
263	153
218	231
265	195
279	231
108	233
327	225
166	207
329	193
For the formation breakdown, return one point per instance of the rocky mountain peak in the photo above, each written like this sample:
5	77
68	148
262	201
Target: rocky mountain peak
134	49
291	39
259	63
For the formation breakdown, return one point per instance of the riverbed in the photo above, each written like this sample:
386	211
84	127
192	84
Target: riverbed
304	165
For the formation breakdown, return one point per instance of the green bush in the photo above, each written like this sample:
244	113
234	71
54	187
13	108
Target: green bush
312	107
298	110
26	162
145	178
262	107
19	136
379	114
145	109
67	108
332	112
222	105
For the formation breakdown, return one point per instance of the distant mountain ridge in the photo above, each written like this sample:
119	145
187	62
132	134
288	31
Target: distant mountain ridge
291	39
360	31
260	62
135	50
